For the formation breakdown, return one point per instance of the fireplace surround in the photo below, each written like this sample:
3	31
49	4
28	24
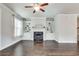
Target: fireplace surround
38	37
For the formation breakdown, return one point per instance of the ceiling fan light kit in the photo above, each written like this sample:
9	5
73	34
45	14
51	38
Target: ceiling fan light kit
37	7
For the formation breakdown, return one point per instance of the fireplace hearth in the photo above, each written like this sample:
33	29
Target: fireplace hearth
38	37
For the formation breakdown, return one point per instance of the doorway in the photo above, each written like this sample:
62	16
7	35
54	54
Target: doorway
78	29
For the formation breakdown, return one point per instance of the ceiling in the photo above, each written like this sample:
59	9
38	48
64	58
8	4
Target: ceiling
51	10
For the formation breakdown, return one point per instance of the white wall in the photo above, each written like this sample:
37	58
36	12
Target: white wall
7	27
66	28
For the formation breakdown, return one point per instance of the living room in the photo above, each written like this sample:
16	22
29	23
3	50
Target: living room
51	29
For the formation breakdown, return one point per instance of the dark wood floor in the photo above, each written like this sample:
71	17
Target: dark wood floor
47	48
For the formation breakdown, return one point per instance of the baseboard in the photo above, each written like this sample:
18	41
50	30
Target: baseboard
26	39
55	41
10	44
67	41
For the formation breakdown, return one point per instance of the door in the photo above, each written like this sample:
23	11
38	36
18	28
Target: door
78	29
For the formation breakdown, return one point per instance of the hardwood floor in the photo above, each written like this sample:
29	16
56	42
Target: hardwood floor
47	48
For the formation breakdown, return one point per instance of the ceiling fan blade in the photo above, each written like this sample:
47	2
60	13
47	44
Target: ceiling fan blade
34	11
44	4
28	6
42	10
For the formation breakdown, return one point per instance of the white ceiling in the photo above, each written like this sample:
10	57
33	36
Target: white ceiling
51	10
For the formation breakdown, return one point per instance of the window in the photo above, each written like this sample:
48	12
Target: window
18	27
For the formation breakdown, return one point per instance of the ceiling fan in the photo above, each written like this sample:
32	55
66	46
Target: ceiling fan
38	6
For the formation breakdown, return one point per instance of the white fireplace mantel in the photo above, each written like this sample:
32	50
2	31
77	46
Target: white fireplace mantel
38	24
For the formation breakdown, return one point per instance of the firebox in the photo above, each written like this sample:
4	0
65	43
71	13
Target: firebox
38	37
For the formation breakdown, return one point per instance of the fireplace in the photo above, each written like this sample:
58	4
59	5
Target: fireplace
38	37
